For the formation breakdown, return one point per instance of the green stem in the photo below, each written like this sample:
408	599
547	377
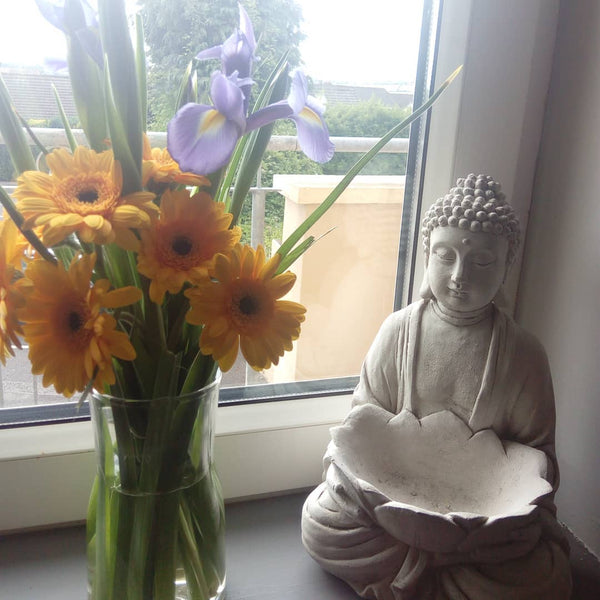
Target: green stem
164	549
192	564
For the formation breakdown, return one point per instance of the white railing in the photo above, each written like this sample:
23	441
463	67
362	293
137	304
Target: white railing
17	386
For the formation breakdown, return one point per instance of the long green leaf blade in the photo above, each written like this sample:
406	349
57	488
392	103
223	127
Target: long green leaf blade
188	88
294	238
140	67
132	178
13	135
18	220
124	91
65	121
86	80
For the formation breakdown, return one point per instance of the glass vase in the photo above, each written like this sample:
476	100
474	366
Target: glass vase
155	526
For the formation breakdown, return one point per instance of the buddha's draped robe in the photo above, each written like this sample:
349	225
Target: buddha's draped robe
516	400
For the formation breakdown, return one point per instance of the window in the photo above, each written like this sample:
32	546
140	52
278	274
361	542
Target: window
489	120
367	88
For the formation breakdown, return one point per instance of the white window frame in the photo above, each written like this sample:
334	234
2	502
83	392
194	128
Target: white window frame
489	121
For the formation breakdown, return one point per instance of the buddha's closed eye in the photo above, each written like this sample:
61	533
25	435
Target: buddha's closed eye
445	254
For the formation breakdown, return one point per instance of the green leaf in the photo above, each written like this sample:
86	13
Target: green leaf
257	144
188	89
122	94
13	135
32	135
86	81
295	237
132	177
140	67
18	220
295	254
65	121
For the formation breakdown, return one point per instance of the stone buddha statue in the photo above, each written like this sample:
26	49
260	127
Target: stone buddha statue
440	483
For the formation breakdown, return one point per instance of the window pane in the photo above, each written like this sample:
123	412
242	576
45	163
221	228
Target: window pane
362	66
363	70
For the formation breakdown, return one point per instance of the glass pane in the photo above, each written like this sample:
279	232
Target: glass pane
362	70
362	66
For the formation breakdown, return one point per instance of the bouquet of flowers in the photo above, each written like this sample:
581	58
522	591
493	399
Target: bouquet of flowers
121	268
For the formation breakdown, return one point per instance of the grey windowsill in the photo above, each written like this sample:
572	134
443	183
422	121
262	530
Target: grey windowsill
265	559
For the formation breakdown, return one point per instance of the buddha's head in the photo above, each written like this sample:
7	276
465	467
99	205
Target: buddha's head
471	237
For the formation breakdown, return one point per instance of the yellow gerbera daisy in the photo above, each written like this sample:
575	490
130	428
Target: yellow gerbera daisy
239	306
10	298
181	245
159	166
71	338
82	194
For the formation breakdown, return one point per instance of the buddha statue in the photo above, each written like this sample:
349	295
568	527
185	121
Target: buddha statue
454	410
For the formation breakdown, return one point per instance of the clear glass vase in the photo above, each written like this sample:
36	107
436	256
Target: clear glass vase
155	527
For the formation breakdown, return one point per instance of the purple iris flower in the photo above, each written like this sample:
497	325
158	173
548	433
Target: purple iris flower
313	135
307	114
54	12
201	138
87	31
236	53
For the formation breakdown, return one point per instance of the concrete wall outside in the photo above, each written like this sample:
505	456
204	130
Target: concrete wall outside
559	292
346	280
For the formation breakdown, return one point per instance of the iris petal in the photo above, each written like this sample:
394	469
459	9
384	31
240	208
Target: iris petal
313	135
201	139
269	114
298	92
214	52
228	99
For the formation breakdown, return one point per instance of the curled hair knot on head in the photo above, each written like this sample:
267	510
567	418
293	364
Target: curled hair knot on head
476	204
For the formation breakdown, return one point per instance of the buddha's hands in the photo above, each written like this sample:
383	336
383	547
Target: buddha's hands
496	541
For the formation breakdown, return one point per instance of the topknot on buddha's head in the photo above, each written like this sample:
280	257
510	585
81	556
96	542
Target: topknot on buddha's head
476	204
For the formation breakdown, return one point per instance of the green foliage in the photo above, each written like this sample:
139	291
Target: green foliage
367	119
176	31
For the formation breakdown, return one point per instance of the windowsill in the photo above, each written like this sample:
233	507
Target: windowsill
259	449
265	559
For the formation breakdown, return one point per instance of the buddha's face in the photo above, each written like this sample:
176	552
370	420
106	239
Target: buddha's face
465	269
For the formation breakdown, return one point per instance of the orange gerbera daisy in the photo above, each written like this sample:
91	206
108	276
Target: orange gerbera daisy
239	306
82	194
159	166
71	338
181	245
10	298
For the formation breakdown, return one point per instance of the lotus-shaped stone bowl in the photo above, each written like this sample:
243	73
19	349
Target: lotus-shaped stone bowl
432	483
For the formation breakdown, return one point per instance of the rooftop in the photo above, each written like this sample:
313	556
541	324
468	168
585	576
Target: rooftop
350	94
32	93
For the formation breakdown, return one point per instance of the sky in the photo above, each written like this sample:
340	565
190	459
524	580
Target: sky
343	45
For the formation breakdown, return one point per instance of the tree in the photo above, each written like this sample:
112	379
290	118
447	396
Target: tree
176	31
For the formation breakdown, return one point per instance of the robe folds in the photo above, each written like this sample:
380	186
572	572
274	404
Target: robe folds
516	401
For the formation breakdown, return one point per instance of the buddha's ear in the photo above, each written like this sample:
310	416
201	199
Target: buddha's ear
425	289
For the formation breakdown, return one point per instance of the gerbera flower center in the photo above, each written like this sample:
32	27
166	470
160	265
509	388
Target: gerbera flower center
182	245
88	196
71	319
251	305
74	321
